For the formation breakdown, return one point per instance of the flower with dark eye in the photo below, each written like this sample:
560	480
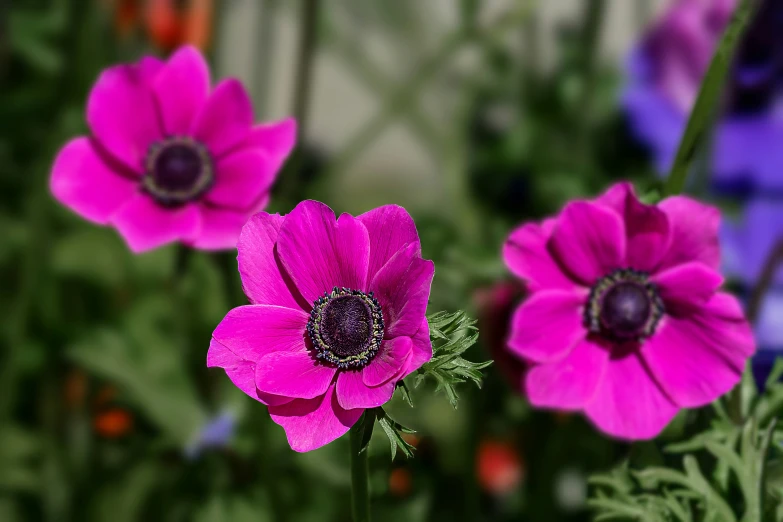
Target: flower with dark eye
625	321
336	320
170	158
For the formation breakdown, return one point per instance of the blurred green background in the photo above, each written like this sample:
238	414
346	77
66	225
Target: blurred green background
475	115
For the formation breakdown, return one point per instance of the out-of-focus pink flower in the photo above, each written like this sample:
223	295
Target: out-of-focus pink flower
625	321
170	158
337	316
495	305
499	467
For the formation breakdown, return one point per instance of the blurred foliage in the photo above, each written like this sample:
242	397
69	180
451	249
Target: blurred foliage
730	472
89	329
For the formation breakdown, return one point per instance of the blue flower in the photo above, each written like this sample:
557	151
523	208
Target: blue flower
217	432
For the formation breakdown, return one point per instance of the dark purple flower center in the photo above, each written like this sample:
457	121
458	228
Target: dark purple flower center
624	306
178	170
346	327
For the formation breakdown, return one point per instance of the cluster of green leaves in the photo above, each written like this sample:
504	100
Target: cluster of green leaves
730	472
451	333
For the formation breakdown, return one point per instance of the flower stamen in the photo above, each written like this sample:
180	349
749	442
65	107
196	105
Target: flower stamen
346	327
624	306
178	170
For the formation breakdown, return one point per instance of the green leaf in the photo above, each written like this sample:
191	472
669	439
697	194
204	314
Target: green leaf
394	432
365	426
18	451
406	393
106	263
711	89
148	367
451	334
714	501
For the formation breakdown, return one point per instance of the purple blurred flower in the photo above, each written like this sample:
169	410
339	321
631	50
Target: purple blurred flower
664	75
666	69
747	244
217	432
748	241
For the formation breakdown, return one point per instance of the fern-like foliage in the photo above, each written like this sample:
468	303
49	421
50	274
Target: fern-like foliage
731	472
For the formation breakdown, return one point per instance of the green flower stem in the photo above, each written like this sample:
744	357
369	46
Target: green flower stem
360	474
711	89
591	39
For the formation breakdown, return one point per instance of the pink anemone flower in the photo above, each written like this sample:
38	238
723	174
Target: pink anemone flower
169	158
337	316
625	321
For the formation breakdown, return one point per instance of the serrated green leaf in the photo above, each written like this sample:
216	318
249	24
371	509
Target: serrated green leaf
451	334
713	500
405	392
393	431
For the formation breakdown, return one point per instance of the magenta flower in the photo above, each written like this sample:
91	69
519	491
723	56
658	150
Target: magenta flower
337	316
625	321
168	159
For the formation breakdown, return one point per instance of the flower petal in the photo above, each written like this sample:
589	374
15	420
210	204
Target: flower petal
293	374
83	182
548	325
724	327
402	287
647	234
353	393
688	286
220	229
264	279
122	115
320	252
569	383
241	178
225	119
526	254
615	196
146	225
691	371
181	88
628	403
276	139
421	351
241	371
391	358
390	228
254	331
589	241
312	423
694	231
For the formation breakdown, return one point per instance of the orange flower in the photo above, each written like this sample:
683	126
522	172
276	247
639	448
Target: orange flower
113	423
172	23
499	467
400	482
126	16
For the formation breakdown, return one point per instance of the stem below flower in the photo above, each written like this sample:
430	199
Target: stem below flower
360	471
